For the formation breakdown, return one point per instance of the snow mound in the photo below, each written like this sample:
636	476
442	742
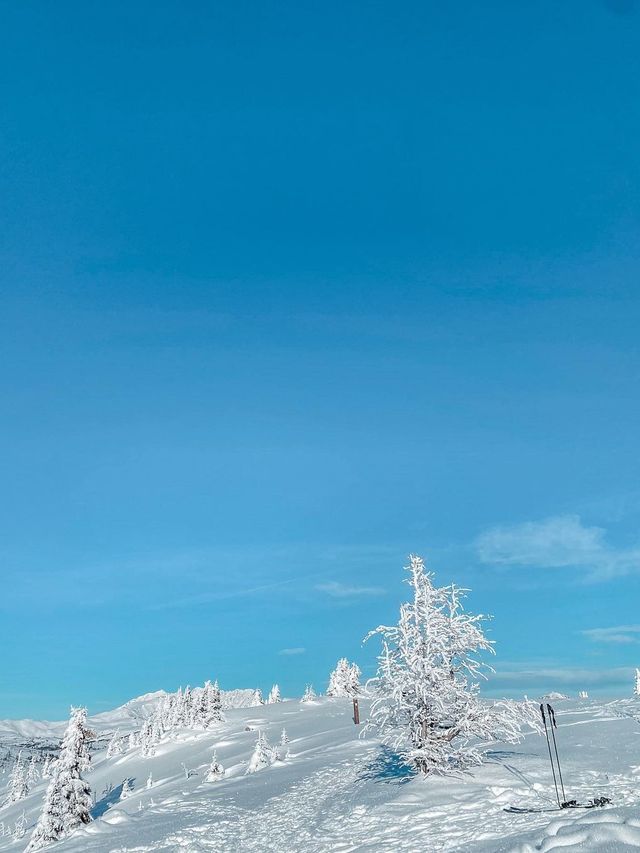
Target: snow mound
596	833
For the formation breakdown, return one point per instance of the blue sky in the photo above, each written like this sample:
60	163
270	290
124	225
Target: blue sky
290	290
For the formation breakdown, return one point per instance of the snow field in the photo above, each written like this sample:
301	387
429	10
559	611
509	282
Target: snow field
339	792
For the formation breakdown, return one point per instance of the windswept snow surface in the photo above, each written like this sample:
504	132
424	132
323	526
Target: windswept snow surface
339	792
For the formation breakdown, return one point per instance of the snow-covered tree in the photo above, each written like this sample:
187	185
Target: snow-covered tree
157	728
147	739
17	786
257	699
214	702
427	704
46	767
274	695
263	755
115	745
199	715
309	694
353	684
283	748
176	716
166	711
186	708
216	770
134	740
337	679
67	802
637	684
345	679
20	827
33	773
207	706
150	780
127	789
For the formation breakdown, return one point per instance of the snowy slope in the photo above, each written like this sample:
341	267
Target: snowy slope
338	792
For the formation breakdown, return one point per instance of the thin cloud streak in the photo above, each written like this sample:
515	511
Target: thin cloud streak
622	634
206	598
547	678
334	589
189	577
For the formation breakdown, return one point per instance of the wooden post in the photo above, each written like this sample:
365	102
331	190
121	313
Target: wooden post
356	712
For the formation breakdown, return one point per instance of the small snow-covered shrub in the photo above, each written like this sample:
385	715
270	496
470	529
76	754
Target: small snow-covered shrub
216	770
263	755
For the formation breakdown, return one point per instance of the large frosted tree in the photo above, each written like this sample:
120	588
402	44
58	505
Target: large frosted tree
427	703
67	801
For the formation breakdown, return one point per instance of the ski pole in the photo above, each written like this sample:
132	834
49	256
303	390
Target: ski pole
553	726
553	770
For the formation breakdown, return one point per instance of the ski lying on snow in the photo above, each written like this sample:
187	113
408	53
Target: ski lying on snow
519	810
597	803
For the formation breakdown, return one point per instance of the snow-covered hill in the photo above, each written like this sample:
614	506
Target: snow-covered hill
339	792
125	718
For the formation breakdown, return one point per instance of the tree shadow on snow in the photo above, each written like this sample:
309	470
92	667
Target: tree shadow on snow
388	767
500	754
110	796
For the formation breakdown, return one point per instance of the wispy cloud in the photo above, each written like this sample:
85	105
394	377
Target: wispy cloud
560	542
341	590
546	678
297	650
617	634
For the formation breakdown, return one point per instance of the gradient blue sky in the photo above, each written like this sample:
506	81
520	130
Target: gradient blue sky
289	290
